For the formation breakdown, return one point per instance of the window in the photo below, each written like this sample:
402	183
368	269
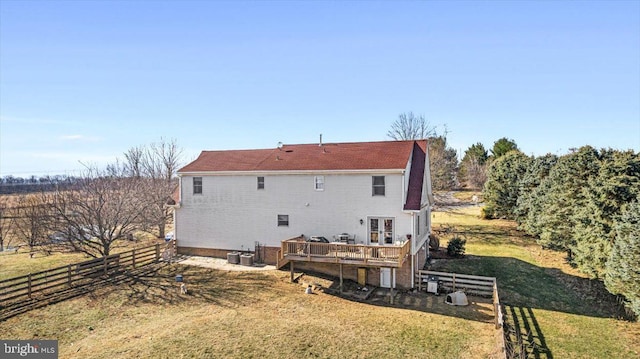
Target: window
197	185
260	182
426	222
378	185
319	183
283	220
418	226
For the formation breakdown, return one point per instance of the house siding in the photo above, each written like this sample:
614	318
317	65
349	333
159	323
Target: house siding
232	214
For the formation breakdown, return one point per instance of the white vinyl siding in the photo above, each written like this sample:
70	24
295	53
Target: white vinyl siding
231	213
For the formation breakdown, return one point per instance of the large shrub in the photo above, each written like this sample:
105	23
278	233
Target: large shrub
456	247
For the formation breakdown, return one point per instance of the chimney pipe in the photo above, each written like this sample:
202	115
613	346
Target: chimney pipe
320	140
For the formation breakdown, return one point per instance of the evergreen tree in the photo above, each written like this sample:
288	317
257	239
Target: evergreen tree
503	146
564	195
617	183
529	205
622	273
443	161
501	190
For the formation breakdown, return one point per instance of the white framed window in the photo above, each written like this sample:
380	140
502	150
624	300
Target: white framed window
283	220
318	183
378	188
197	185
418	226
260	182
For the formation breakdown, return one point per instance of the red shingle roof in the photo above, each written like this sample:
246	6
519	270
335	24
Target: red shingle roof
330	156
416	178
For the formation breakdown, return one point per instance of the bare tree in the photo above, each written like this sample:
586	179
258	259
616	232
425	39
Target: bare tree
473	167
475	173
31	220
134	161
157	163
442	159
103	208
411	127
6	222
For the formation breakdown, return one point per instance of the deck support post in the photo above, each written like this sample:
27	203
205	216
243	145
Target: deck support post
291	270
393	276
340	277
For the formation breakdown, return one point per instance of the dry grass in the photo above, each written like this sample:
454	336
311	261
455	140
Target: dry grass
13	264
244	315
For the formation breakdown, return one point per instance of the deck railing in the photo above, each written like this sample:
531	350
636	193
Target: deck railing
338	252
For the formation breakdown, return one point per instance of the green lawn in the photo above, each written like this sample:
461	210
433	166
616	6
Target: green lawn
565	314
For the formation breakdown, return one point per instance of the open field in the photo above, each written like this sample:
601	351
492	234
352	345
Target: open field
564	314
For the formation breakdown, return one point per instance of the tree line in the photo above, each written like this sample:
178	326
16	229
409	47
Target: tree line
586	203
10	184
447	173
98	209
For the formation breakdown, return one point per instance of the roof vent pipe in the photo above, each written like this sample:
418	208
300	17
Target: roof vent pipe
320	140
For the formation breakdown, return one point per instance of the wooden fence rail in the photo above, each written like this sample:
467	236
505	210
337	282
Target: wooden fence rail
60	278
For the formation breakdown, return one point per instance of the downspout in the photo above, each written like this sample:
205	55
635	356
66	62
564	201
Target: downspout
413	243
175	213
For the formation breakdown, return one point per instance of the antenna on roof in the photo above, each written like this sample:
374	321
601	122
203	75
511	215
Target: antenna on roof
320	140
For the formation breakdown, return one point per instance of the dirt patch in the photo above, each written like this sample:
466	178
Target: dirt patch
446	201
220	264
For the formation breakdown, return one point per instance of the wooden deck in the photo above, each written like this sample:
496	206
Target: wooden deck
342	253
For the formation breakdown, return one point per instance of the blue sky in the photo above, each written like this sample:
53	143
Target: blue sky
83	81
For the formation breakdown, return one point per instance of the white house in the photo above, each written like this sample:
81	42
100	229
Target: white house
377	193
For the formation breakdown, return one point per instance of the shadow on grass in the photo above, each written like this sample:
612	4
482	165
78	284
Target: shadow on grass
79	288
524	287
522	333
222	288
522	284
155	283
479	309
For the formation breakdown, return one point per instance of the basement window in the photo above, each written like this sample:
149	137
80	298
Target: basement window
283	220
260	182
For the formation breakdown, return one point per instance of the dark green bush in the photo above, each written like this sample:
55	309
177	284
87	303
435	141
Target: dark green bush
455	248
